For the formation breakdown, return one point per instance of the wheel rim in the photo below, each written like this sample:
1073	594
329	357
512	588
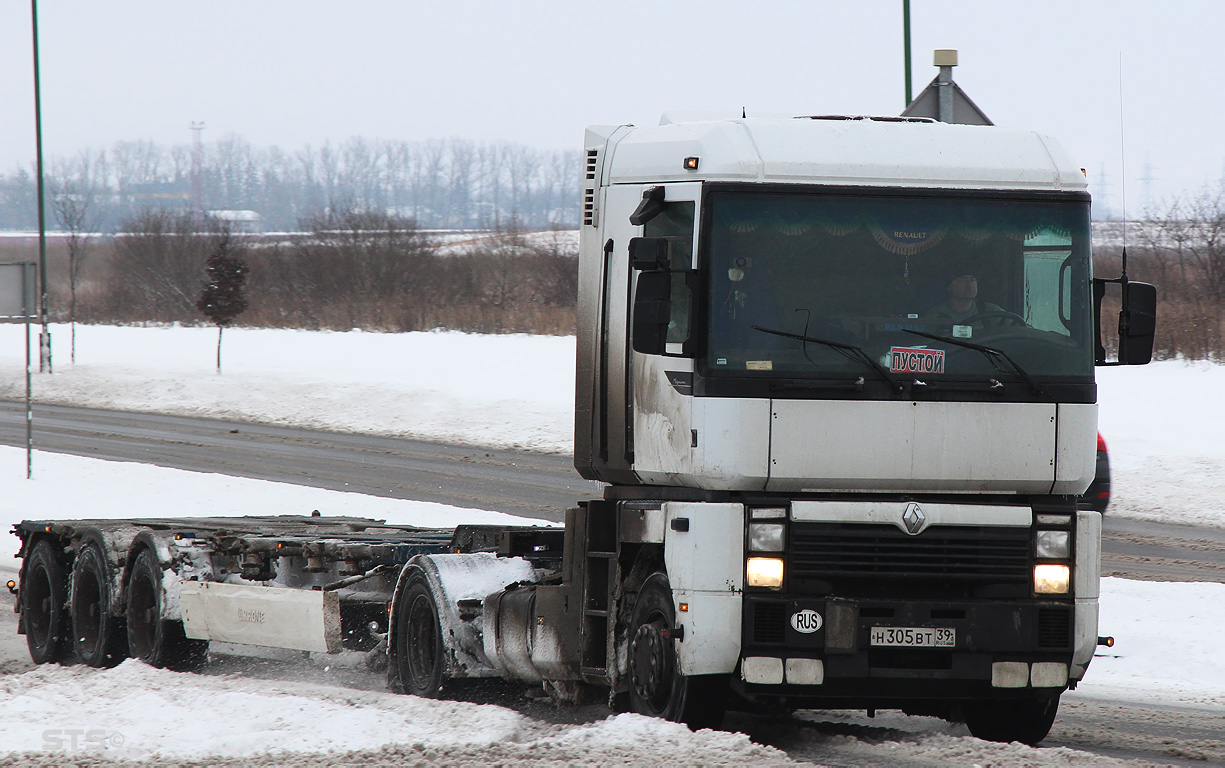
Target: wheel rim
38	606
651	664
142	616
422	642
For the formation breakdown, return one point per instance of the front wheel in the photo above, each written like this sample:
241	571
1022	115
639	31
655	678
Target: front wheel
419	650
1025	720
657	687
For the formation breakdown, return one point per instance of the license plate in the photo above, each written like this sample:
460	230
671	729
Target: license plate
915	637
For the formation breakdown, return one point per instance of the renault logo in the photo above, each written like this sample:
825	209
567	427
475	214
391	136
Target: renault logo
913	518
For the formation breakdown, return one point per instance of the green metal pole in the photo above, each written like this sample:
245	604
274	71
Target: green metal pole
44	340
906	53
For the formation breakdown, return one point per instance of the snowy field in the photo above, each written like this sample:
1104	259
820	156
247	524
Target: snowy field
1161	423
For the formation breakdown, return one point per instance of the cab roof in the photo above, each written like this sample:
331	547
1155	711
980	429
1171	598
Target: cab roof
836	150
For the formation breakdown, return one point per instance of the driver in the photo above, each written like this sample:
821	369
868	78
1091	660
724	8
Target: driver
962	302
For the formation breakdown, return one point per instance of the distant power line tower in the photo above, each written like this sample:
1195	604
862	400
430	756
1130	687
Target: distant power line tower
1102	196
197	170
1147	179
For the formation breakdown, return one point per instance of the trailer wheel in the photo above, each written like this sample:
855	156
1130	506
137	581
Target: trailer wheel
44	614
1025	720
151	638
657	687
97	635
419	649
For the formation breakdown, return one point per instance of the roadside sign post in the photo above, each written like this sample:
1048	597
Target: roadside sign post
18	283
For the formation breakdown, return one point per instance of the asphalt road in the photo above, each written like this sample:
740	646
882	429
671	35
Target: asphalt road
530	484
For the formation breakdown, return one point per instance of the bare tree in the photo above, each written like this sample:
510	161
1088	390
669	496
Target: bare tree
78	215
1206	242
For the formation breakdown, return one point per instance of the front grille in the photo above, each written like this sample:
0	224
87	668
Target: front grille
944	561
1054	627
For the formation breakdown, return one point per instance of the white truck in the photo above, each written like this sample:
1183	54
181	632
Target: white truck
837	375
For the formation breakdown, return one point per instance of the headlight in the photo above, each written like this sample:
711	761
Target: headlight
1052	545
1051	579
765	572
766	537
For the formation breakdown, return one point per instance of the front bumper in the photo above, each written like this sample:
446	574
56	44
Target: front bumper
1002	648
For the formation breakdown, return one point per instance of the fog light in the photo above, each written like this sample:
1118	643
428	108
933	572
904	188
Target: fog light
1051	579
1052	545
766	537
765	572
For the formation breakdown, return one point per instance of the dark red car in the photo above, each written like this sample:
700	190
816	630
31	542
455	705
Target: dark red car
1098	495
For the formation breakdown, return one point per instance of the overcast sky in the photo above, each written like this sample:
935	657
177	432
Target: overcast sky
297	72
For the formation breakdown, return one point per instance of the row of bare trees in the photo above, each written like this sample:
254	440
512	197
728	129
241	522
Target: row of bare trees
1180	248
349	269
439	183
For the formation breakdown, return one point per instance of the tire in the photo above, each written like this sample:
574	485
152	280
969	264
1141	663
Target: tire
98	636
44	610
151	638
657	687
419	650
1025	720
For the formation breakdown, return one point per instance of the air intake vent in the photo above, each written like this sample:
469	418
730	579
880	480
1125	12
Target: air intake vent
769	622
1054	628
590	185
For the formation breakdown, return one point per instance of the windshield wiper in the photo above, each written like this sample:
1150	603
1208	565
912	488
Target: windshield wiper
849	351
991	353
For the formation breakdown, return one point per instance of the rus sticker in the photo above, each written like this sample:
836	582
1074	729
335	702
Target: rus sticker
916	360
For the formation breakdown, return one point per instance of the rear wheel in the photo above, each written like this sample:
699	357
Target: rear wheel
419	649
1025	720
98	636
657	687
44	613
151	638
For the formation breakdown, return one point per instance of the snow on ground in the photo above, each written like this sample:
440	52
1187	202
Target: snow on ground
77	710
1162	422
1165	653
507	391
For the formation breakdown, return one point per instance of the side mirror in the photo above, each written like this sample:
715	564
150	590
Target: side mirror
649	254
1137	321
651	206
652	312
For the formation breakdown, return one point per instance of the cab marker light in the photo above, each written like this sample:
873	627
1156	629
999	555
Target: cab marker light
1106	641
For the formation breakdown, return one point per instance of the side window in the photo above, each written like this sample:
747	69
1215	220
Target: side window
1046	303
676	221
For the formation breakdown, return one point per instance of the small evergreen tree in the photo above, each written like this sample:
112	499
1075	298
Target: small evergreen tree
222	299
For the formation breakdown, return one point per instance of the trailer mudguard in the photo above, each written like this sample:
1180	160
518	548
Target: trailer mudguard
455	578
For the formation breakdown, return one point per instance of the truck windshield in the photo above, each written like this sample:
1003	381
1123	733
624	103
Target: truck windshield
864	270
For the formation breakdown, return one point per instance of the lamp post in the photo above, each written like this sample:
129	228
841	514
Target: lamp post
906	45
44	338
